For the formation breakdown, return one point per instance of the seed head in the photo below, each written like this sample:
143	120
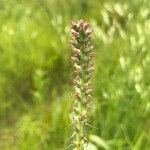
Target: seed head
82	55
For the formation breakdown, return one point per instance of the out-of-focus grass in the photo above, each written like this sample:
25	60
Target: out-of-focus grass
35	83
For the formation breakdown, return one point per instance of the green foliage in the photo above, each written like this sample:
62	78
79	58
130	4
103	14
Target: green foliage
35	95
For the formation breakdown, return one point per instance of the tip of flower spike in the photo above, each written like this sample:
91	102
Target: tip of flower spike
77	23
81	25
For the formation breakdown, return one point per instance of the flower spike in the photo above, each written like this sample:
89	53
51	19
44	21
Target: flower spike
82	55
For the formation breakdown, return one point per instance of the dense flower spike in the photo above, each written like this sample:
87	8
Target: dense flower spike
82	55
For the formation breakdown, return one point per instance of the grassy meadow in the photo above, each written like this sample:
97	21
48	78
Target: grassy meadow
35	73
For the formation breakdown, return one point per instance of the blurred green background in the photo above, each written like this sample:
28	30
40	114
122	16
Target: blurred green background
35	68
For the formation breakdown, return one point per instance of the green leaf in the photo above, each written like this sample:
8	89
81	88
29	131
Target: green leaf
99	142
91	146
